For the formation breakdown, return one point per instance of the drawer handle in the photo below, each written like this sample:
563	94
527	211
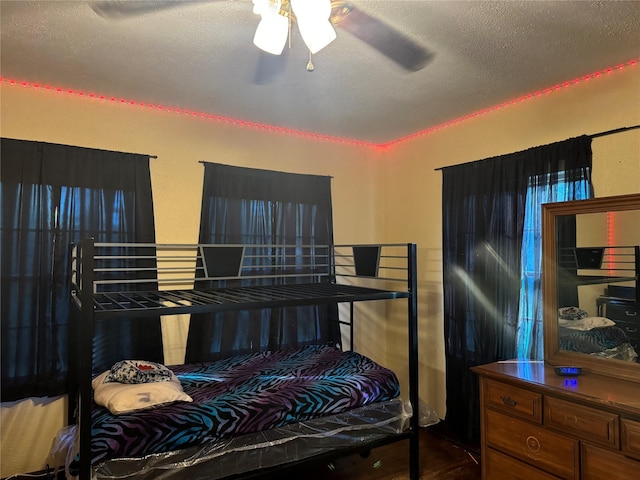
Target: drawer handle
533	444
509	402
570	420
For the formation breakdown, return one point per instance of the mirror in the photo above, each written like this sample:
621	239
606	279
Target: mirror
591	251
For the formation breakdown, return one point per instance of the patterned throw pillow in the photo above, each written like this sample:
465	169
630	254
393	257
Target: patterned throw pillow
138	371
572	313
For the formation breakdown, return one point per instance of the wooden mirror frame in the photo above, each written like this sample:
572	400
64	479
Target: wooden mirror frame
552	353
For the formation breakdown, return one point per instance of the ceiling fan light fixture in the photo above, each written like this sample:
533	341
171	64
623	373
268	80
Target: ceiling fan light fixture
271	34
313	22
273	29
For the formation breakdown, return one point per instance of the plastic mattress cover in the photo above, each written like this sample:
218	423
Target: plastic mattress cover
624	351
249	452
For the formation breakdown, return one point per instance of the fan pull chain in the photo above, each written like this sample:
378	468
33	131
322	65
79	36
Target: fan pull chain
289	25
310	66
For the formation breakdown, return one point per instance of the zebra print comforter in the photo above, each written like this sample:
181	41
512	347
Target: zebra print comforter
592	341
244	394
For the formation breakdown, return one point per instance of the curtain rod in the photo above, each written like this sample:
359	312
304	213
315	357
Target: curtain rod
615	130
593	135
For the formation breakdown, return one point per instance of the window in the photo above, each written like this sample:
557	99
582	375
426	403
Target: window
263	207
53	195
484	205
530	343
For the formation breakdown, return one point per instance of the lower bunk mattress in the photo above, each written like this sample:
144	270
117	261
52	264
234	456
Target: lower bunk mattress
608	342
245	395
245	455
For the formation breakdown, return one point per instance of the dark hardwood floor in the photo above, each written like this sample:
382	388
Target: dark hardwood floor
439	459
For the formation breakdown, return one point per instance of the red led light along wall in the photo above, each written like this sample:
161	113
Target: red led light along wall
546	91
310	135
190	113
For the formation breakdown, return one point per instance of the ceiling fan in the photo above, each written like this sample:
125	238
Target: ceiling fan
316	17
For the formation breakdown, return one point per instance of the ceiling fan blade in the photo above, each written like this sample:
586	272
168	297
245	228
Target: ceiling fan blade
129	8
392	43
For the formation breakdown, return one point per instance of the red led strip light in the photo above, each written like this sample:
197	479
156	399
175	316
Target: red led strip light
523	98
310	135
191	113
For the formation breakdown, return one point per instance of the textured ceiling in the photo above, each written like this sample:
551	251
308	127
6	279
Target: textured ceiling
200	57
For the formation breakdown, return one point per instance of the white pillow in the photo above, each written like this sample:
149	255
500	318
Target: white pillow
123	398
587	323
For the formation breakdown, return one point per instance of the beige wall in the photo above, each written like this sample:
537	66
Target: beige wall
392	196
180	143
413	187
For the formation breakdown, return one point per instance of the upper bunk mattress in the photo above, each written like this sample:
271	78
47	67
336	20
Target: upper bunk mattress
243	394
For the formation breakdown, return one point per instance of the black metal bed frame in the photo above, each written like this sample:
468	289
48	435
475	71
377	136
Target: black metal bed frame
139	280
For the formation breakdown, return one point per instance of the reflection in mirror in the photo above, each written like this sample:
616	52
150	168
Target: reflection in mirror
596	284
591	295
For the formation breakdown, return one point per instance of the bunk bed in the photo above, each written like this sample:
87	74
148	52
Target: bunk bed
185	279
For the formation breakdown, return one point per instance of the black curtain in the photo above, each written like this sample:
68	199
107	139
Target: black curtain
263	207
483	207
566	238
53	195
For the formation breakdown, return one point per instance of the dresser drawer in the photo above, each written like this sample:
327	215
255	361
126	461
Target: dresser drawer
513	400
587	423
531	443
498	466
599	464
628	313
630	438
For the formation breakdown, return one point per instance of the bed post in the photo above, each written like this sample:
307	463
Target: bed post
414	440
85	355
73	386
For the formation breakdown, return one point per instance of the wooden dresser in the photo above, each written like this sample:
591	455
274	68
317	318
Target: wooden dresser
537	425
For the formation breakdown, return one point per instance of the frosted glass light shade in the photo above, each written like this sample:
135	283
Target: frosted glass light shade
313	22
271	34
